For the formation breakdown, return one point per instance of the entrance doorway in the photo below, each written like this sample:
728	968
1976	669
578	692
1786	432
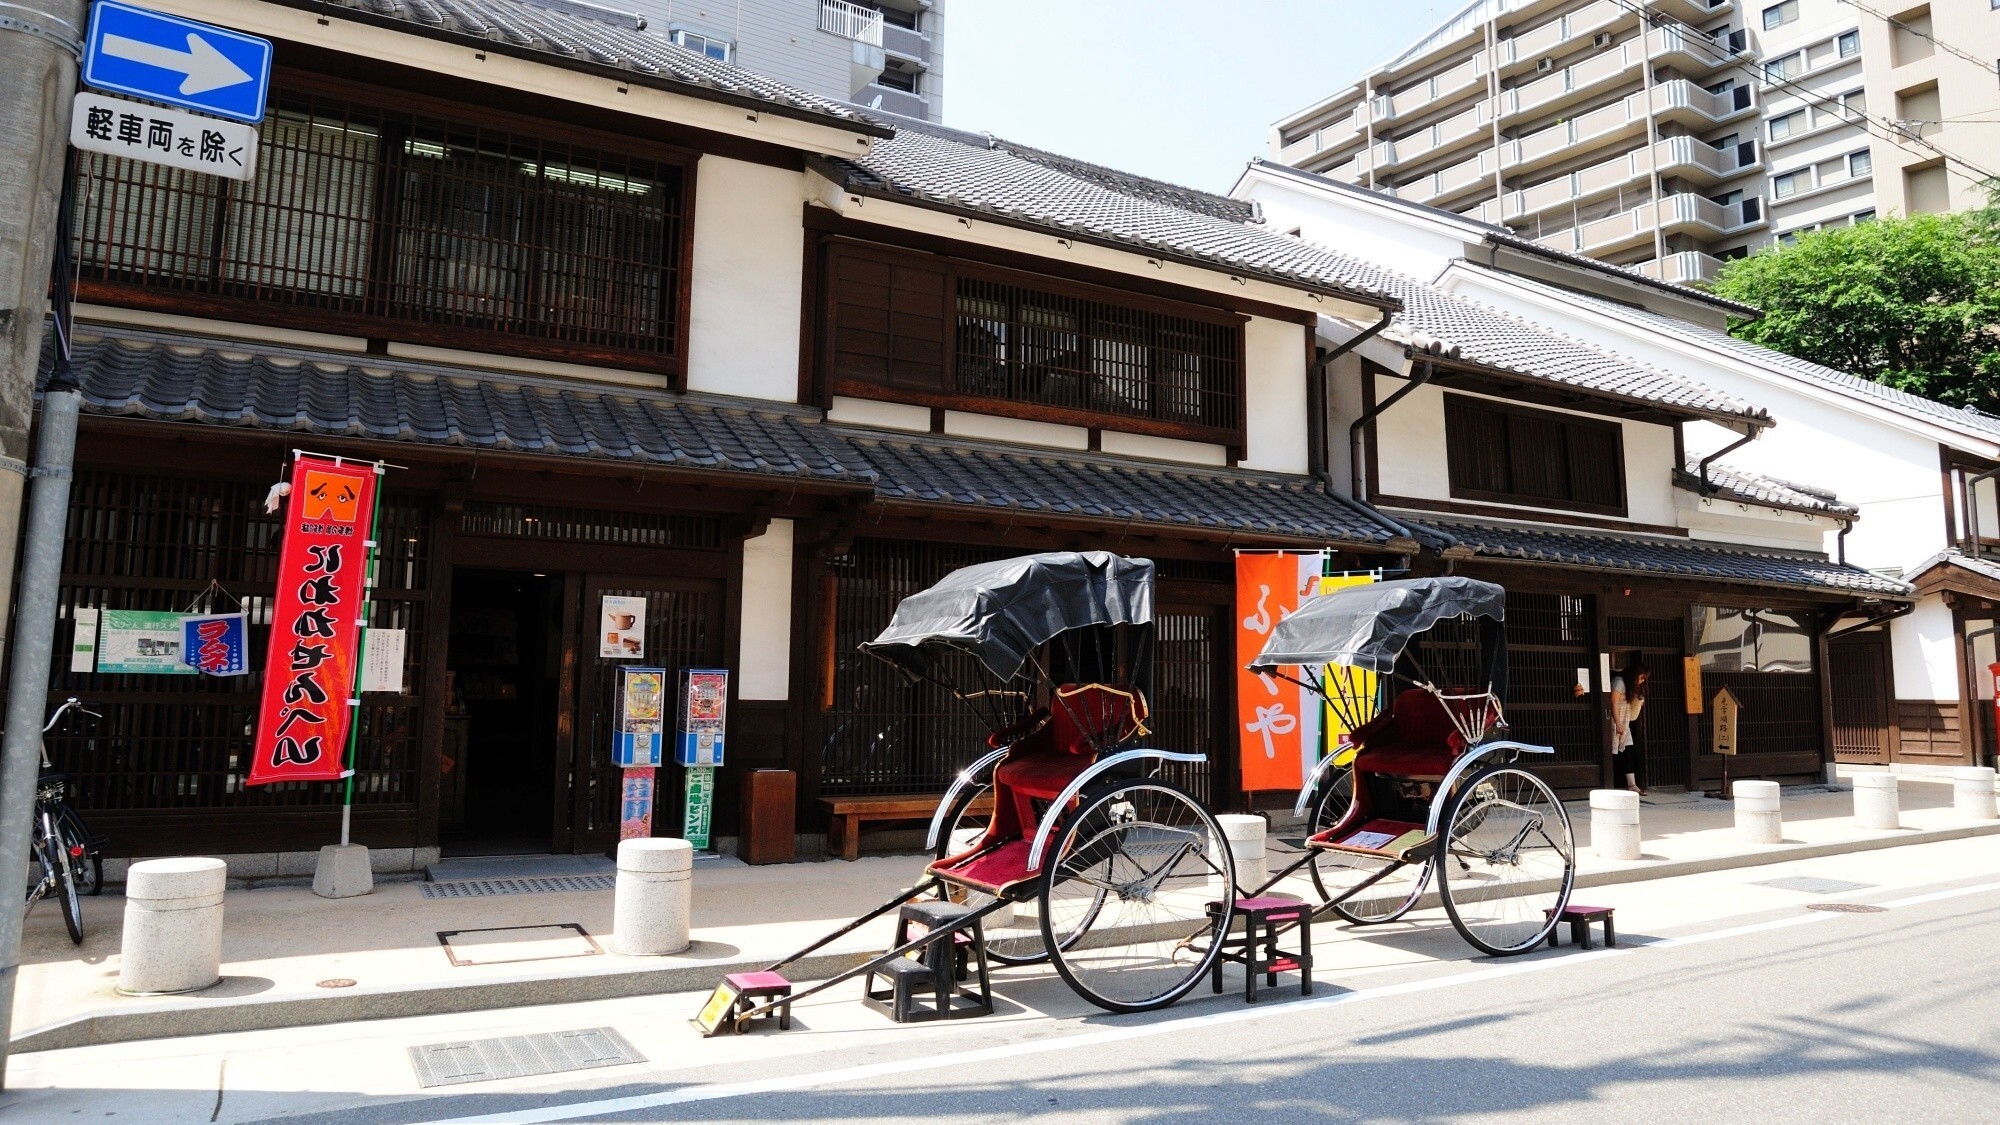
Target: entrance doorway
500	769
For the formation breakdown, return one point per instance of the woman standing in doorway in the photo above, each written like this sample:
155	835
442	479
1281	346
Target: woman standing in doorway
1628	698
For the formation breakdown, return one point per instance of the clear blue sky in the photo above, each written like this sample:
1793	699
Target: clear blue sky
1180	90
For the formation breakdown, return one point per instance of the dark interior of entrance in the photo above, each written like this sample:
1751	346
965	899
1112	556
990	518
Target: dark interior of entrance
499	771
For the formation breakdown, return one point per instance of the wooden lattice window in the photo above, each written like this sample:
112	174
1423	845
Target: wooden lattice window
404	224
936	331
1516	455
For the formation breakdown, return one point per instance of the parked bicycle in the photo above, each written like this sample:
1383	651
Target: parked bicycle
70	856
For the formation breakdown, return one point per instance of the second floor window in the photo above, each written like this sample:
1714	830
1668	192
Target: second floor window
1778	15
1497	452
939	332
713	47
397	225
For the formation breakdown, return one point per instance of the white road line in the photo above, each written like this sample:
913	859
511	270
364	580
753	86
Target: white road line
718	1091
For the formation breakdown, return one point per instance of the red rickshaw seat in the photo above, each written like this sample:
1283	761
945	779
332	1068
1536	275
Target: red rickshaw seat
1415	738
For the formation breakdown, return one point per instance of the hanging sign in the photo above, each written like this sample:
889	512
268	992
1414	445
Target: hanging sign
309	681
703	715
1691	683
1726	713
1277	722
142	641
635	805
83	640
640	717
216	644
699	806
382	660
621	628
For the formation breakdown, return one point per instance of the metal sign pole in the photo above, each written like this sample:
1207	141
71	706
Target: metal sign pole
361	660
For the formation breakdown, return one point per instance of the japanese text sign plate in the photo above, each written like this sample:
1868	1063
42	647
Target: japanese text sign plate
163	136
163	58
315	624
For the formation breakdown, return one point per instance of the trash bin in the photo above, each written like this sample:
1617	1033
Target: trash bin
770	809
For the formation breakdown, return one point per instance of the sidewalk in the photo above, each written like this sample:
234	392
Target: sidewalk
287	952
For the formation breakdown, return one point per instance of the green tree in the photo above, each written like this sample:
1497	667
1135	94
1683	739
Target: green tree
1911	302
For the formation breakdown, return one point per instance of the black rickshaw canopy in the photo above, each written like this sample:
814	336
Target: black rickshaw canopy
1369	626
1000	612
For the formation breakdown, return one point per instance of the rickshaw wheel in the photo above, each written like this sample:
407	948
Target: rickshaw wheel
1125	896
1013	934
1506	860
1334	873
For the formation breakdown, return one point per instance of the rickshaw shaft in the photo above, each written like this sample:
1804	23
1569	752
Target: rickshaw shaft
907	947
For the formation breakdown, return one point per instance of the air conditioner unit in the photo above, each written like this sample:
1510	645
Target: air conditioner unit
1543	66
1601	39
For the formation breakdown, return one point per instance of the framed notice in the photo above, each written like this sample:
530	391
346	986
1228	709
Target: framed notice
382	660
141	641
621	628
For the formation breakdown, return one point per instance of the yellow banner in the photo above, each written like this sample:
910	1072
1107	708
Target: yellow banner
1353	688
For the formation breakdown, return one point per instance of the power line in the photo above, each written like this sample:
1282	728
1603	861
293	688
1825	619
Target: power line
1940	44
1882	128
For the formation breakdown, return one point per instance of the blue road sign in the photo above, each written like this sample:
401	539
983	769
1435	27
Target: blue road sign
180	62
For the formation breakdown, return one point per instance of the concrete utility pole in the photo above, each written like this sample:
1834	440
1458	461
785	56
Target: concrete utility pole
39	44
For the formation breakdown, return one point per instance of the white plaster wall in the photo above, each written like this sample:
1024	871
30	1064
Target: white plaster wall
1408	248
1729	521
1162	449
880	415
1275	400
744	308
993	427
1925	652
1411	454
764	650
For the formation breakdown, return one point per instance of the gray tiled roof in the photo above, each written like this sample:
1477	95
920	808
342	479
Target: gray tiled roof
1697	559
1084	485
576	35
233	384
998	177
1985	568
1973	423
227	384
1736	484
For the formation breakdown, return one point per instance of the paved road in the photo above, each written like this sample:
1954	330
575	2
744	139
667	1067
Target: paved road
1742	1003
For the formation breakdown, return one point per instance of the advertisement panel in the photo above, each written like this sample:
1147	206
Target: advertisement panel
1277	723
1354	686
309	670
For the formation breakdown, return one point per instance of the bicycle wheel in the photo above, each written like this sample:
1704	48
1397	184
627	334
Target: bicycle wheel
55	862
1013	933
86	861
1507	860
1127	887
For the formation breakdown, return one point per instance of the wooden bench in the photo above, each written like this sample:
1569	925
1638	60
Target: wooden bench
850	813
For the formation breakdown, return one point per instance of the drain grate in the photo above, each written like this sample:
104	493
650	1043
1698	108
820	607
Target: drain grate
1846	907
1812	885
517	1056
542	884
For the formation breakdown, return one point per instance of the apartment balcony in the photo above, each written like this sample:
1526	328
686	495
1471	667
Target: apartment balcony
893	100
1466	175
1613	66
1685	157
1679	100
1336	134
1443	86
1689	267
851	21
1684	213
1474	124
1538	42
907	42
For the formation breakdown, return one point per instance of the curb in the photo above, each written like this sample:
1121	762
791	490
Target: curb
175	1020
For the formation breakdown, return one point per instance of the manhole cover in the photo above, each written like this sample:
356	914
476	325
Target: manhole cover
337	982
1846	907
516	1056
1812	885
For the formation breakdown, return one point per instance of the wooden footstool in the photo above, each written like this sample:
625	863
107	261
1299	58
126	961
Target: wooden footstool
1257	948
1579	918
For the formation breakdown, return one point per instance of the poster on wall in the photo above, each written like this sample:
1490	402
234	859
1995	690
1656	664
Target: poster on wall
1277	722
83	640
621	628
382	660
216	644
635	805
142	642
309	671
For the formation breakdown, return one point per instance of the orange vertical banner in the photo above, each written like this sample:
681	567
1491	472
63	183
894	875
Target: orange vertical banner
1277	725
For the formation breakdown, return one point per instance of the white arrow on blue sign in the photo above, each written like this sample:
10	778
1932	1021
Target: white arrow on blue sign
179	62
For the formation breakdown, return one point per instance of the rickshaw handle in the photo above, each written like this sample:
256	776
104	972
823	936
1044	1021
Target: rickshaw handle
966	776
1466	762
1048	825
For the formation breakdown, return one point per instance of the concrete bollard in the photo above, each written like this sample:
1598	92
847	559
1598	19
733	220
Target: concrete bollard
173	926
1972	793
1614	823
1875	804
1758	819
1246	845
654	904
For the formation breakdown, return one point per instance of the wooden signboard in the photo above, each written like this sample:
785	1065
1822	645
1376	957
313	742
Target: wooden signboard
1691	681
1726	710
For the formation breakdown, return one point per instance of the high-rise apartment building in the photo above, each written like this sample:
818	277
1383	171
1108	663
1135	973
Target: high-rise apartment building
1670	135
888	54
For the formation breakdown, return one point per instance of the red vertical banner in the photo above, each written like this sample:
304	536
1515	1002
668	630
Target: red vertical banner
309	683
1277	722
